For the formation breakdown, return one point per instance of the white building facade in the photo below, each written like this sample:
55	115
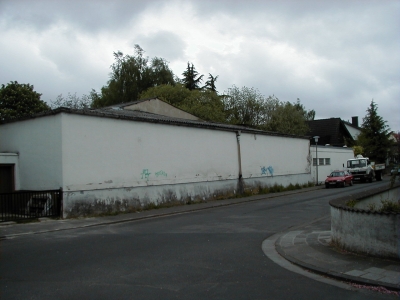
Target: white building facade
108	162
329	159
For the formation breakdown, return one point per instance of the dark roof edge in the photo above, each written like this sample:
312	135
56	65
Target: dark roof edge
176	122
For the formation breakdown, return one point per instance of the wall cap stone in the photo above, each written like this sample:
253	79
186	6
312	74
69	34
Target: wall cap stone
340	203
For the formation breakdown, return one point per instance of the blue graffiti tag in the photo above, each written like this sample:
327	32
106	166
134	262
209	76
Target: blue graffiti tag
266	170
271	171
145	174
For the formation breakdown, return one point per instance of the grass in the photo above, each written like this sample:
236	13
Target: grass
351	203
386	207
276	188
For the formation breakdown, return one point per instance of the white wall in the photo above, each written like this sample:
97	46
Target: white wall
38	144
110	162
373	234
338	160
103	162
268	156
101	153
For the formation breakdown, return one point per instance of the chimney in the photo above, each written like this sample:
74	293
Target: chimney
354	121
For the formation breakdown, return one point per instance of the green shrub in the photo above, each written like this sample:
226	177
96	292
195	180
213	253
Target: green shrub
351	203
386	206
389	206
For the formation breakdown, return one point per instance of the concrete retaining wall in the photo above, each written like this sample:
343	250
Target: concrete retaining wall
366	232
392	195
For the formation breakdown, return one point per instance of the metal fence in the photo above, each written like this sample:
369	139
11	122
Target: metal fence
23	205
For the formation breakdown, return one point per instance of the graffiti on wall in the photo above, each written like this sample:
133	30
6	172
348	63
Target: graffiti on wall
267	170
161	173
146	174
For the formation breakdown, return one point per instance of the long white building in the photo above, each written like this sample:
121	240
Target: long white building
122	157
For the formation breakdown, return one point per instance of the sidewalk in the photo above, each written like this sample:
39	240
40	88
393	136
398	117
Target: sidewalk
309	247
11	229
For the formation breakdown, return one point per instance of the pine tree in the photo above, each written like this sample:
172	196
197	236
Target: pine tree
375	135
210	83
191	78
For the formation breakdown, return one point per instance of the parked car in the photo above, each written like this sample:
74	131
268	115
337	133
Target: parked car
395	170
339	178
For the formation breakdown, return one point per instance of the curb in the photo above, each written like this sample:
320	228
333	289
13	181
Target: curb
332	274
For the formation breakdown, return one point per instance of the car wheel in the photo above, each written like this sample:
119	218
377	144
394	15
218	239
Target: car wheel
327	186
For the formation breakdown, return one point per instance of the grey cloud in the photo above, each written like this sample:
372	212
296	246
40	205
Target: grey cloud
167	45
89	15
349	50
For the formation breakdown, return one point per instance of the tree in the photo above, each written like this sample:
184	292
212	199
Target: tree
130	76
72	101
375	135
357	150
18	100
245	106
191	78
205	104
287	119
160	73
396	147
308	115
210	83
172	94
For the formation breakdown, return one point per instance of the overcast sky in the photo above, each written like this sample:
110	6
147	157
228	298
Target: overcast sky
336	56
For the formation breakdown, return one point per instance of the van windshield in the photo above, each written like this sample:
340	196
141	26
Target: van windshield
357	163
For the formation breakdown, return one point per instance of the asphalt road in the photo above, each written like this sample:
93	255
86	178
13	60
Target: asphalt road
209	254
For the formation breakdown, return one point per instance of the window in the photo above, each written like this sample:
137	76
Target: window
314	161
327	161
321	161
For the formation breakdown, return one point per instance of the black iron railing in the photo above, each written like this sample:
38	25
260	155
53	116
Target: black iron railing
23	205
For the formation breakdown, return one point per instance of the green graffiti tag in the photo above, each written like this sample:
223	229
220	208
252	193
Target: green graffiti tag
145	174
161	173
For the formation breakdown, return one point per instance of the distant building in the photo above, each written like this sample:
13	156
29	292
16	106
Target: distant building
334	131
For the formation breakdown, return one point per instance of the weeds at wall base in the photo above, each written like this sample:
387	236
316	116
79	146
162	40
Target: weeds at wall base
351	203
263	190
385	207
171	200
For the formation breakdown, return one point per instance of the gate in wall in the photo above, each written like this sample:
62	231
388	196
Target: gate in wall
24	205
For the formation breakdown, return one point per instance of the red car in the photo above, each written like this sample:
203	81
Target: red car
339	178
